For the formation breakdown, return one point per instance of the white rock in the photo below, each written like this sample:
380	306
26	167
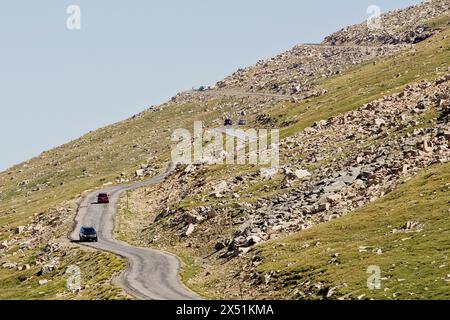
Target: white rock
189	169
244	251
139	173
379	122
334	199
221	188
4	245
190	229
25	267
268	173
19	229
9	265
302	174
47	268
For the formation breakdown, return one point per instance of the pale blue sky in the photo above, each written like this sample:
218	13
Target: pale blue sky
56	84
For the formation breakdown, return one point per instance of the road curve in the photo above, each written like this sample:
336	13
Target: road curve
151	274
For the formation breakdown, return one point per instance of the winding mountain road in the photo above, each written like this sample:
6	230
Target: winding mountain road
151	274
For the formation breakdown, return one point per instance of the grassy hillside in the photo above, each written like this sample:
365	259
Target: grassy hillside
97	158
346	92
414	261
96	270
363	84
37	191
48	185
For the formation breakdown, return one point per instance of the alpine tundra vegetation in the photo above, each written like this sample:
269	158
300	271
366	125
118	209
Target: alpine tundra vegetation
357	208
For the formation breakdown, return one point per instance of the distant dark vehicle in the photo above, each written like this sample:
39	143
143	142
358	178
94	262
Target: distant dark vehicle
242	122
103	198
228	122
201	88
88	234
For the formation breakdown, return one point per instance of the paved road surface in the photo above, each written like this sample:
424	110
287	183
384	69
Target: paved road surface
151	274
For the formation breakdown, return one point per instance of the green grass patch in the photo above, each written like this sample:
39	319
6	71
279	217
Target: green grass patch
414	265
369	82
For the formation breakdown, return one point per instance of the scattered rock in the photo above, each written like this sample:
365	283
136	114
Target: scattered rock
43	282
335	259
24	267
334	199
302	174
19	229
4	244
220	189
9	265
190	230
139	173
413	28
48	268
268	173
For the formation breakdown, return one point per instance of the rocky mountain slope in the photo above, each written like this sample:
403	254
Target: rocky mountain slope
406	26
357	119
296	71
332	166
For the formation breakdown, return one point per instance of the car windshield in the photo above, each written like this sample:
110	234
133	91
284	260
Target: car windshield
89	231
102	195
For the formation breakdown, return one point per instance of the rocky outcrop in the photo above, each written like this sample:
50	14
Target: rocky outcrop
38	235
295	71
381	144
406	26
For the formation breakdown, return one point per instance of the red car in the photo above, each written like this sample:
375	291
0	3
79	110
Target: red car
103	198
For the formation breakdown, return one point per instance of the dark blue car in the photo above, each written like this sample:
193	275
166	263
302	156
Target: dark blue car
88	234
